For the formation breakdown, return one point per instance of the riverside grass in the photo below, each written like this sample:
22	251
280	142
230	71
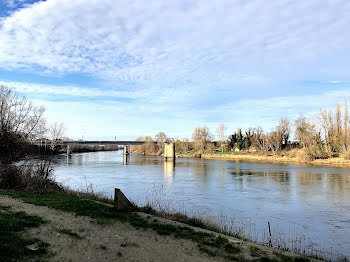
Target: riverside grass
12	243
212	244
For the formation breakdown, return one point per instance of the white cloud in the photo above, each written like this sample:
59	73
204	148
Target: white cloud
169	40
42	89
185	62
129	120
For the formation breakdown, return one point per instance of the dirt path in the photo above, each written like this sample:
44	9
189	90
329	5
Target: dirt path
115	242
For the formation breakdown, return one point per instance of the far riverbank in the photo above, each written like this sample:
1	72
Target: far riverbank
336	162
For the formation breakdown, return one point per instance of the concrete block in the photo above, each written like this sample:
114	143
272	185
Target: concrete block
169	151
121	202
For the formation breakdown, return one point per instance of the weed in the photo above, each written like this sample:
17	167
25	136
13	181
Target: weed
103	247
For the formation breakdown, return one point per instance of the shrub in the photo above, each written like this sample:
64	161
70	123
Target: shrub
346	155
28	177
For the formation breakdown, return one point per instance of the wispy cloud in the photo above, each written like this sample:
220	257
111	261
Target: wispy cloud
191	61
111	118
165	41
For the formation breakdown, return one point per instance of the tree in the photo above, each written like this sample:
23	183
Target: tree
201	137
274	141
18	115
304	131
221	130
150	147
56	132
257	138
346	136
283	131
160	137
19	122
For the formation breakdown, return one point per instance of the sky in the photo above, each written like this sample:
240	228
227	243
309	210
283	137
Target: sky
123	69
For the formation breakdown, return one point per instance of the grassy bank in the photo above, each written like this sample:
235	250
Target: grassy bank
208	242
12	243
337	161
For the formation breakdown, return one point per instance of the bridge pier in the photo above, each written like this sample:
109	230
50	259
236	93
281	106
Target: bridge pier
69	150
169	152
126	150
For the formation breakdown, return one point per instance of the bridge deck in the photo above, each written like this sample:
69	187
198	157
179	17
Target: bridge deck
93	143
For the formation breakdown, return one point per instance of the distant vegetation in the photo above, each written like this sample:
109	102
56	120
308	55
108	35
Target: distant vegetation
325	135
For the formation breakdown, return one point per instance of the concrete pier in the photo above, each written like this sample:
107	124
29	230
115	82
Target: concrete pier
126	150
69	150
169	152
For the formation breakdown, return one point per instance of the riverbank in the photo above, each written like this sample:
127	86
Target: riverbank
77	228
336	162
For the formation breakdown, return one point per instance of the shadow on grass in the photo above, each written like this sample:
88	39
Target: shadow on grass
12	244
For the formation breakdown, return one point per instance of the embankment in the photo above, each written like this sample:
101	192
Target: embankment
80	229
338	161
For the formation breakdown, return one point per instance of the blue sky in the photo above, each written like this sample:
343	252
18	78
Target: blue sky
129	68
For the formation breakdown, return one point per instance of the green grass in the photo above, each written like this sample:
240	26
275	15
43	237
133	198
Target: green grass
255	251
81	206
86	207
12	243
192	221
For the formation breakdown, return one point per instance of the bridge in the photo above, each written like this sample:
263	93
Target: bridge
169	149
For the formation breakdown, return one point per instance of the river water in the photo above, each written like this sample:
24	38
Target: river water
307	206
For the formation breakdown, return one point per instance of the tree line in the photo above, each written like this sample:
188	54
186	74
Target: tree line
324	135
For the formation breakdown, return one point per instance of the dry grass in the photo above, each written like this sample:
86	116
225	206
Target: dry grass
346	155
302	158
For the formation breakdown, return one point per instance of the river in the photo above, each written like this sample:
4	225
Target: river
307	206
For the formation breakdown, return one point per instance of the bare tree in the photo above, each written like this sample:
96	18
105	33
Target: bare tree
18	115
283	131
56	132
149	145
304	131
258	138
160	137
221	131
19	122
201	137
346	136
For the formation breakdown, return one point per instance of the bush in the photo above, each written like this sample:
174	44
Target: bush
293	153
346	155
28	177
305	155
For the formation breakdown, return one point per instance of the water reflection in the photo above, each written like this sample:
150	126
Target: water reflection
126	159
315	199
169	168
